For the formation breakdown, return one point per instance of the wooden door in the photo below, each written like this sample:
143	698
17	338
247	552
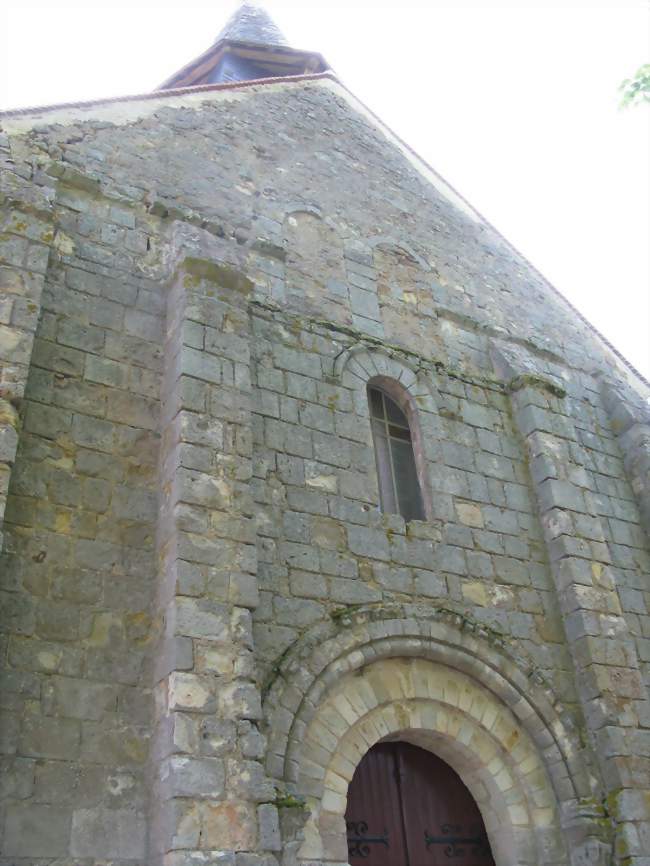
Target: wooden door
407	807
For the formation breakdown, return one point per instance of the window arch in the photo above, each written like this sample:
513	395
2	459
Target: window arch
400	490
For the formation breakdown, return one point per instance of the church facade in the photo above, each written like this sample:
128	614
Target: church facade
300	458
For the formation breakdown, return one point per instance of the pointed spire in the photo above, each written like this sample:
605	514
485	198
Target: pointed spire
249	48
252	23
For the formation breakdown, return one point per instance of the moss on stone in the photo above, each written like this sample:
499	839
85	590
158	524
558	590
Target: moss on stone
71	177
339	613
530	380
289	801
8	414
222	275
266	248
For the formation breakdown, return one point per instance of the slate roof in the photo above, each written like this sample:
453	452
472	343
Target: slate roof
250	34
251	23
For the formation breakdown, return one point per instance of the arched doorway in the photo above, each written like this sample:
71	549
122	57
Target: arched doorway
408	807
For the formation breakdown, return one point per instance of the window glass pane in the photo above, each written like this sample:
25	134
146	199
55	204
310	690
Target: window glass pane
376	403
406	481
384	471
399	487
394	413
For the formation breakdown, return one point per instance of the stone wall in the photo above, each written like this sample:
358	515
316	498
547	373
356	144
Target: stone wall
78	563
198	289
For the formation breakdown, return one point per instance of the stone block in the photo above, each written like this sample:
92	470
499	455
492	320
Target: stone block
200	365
305	363
231	826
410	550
188	691
93	433
247	781
511	571
560	494
217	737
393	577
353	591
36	831
18	612
47	737
305	584
201	618
499	520
240	700
108	833
368	542
429	584
450	559
8	443
78	699
469	514
118	746
9	730
297	612
16	774
199	488
180	823
15	345
47	421
203	778
134	504
201	429
269	828
479	416
300	556
364	303
244	590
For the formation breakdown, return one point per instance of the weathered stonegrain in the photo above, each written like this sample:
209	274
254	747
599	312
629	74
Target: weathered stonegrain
193	534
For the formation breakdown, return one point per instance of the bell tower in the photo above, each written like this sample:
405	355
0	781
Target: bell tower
251	47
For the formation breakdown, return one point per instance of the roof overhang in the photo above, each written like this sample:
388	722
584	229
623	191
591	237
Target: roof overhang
285	62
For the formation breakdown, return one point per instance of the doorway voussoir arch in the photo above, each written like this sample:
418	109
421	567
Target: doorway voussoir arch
438	708
348	646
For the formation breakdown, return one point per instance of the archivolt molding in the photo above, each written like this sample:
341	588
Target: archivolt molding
303	207
332	700
438	708
354	639
368	351
358	364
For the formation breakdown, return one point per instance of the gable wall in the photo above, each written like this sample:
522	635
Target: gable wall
345	246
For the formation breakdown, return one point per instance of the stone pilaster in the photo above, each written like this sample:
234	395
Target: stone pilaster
630	418
24	250
211	795
607	671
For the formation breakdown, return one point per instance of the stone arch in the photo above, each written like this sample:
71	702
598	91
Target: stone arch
356	365
441	709
332	700
389	243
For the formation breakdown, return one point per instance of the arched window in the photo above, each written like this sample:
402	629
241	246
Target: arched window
399	486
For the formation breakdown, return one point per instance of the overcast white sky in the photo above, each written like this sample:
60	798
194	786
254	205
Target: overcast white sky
514	102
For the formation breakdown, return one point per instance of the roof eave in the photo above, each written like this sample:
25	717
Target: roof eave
208	60
170	92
